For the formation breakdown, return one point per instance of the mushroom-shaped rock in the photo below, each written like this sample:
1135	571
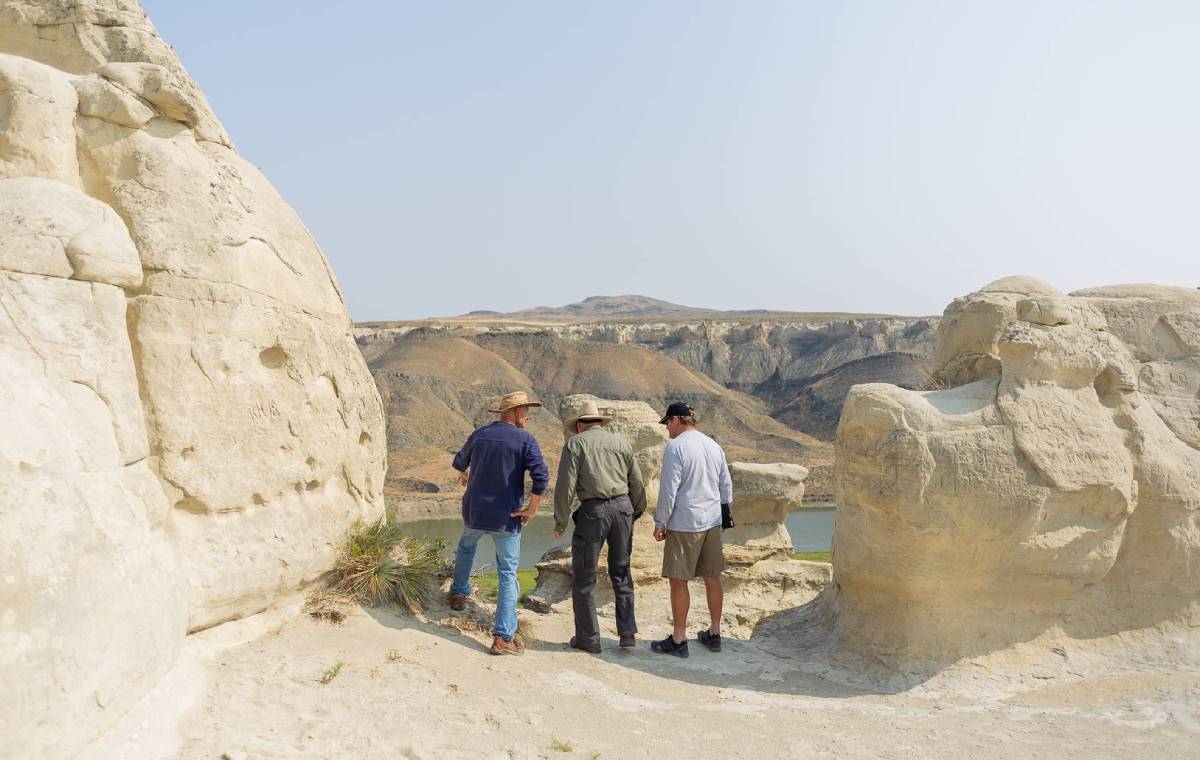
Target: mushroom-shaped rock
763	496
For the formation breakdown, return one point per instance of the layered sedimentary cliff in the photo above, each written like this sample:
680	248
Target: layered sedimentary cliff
1055	489
188	425
771	358
769	388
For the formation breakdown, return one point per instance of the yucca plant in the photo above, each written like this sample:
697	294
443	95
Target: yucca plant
379	564
418	580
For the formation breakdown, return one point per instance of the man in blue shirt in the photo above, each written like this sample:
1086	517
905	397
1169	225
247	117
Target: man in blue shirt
493	463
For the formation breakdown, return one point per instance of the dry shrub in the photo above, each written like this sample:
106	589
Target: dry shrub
326	605
932	381
469	624
378	564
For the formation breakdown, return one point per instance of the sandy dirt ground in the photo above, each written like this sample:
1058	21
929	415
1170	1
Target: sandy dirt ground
409	688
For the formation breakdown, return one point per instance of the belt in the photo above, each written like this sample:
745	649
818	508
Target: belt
601	500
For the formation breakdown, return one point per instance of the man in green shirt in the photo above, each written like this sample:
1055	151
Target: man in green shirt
598	469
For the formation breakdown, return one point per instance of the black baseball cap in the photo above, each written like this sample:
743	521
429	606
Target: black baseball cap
676	409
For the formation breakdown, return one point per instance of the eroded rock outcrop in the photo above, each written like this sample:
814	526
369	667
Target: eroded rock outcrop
637	423
188	425
1055	490
764	495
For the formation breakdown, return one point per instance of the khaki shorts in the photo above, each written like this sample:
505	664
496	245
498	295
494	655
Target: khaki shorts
688	555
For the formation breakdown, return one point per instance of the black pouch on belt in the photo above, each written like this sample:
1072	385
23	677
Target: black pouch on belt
726	517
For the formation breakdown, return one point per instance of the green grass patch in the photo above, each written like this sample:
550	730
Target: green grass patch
489	583
814	556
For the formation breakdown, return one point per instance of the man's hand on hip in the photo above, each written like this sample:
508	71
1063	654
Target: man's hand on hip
530	509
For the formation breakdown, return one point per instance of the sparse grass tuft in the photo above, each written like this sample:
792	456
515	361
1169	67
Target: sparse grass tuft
814	556
394	655
561	746
332	673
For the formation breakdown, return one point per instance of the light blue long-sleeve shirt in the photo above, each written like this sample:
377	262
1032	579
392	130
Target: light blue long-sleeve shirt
695	482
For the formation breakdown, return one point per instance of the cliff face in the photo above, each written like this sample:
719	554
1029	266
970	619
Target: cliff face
188	426
769	389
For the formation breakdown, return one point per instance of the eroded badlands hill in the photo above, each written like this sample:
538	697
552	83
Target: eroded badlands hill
768	385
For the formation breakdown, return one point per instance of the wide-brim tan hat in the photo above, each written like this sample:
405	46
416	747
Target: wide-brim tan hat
588	413
514	400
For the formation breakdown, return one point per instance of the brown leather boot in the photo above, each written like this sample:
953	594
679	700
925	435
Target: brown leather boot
500	646
458	602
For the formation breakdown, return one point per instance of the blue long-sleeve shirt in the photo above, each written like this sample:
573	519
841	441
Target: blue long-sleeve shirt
498	456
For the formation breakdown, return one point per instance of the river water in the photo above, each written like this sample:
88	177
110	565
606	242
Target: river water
811	529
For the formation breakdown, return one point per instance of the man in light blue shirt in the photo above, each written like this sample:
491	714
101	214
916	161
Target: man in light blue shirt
695	484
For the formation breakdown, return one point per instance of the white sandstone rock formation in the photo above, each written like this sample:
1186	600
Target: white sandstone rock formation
1055	491
637	423
188	426
763	496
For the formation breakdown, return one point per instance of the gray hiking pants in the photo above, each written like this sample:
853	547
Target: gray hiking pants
598	521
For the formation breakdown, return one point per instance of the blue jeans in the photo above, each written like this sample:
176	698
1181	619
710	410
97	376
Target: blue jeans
508	556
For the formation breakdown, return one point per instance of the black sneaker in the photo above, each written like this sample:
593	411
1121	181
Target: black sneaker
628	642
712	642
668	646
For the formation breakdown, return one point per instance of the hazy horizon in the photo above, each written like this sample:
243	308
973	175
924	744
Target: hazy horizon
532	307
791	156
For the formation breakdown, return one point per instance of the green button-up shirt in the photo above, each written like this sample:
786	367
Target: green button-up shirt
596	464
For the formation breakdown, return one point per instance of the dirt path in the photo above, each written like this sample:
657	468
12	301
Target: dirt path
425	690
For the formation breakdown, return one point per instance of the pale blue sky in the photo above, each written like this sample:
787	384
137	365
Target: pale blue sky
849	156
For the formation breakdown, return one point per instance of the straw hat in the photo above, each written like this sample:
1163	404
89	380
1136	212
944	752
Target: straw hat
589	412
514	400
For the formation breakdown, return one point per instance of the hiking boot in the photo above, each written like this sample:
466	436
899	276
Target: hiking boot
709	640
628	642
500	646
593	649
458	602
668	646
